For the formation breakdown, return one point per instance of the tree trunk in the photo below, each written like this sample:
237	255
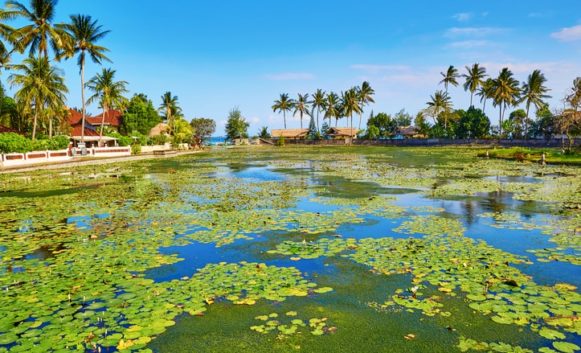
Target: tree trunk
526	122
83	98
318	129
471	96
301	120
284	117
34	121
360	117
105	111
500	121
49	127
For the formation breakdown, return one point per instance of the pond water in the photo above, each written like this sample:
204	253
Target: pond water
293	249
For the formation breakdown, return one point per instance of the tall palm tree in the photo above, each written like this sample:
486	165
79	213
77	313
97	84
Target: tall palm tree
41	33
6	37
83	33
439	103
474	78
485	92
41	86
351	105
319	103
107	92
170	108
450	77
332	107
302	106
283	104
505	92
534	92
365	95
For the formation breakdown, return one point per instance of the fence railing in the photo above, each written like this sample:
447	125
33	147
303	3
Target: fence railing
37	157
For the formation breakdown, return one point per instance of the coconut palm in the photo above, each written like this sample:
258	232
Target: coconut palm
534	92
350	104
41	33
505	93
283	104
41	86
107	92
302	106
485	92
319	103
365	95
450	77
170	109
6	37
332	108
439	103
474	79
83	33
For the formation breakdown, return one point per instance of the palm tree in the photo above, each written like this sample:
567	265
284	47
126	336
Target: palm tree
534	92
170	108
365	96
302	106
40	85
83	33
319	103
505	92
450	77
485	92
41	32
7	34
108	92
283	104
474	78
332	107
350	104
439	103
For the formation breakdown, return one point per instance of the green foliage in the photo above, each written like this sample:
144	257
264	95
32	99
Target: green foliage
384	123
473	124
140	115
14	143
122	140
159	140
237	126
135	149
182	131
518	123
281	141
402	118
544	125
203	129
313	133
264	134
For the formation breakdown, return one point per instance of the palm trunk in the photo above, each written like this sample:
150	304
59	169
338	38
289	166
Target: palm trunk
500	121
318	129
284	117
526	122
360	117
301	120
471	97
484	107
83	98
49	127
105	111
34	121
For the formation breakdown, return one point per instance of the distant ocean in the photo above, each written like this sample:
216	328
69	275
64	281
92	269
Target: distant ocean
216	140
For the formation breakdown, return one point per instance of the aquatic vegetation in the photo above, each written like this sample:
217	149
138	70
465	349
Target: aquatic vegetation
288	324
312	250
431	225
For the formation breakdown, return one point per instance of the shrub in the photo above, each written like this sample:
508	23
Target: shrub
135	148
159	140
58	143
123	141
11	142
280	141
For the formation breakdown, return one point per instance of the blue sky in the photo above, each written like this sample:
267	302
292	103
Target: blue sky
216	55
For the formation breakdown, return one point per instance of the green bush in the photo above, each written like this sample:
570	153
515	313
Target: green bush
280	141
159	140
123	141
135	148
15	143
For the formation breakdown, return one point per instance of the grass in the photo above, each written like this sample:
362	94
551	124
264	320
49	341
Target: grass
552	155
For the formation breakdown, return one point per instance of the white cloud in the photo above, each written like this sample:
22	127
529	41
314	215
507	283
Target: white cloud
290	76
469	44
463	16
568	34
480	32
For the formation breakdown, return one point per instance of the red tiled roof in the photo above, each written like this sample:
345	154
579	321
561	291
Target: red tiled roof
7	129
112	118
75	121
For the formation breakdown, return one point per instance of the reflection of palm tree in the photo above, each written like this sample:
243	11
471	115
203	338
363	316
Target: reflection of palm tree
108	92
83	34
474	78
534	92
283	104
41	87
450	77
302	106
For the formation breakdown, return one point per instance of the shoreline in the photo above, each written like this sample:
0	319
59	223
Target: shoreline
84	161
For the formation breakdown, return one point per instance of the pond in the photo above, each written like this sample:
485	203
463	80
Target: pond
337	249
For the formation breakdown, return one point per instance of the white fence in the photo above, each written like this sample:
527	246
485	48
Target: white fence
37	157
151	149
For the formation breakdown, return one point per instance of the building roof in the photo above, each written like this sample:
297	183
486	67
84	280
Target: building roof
343	131
112	118
76	120
158	129
289	133
407	130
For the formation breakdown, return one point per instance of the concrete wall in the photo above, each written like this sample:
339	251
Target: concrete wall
150	149
37	157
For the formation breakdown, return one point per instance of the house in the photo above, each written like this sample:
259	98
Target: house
290	134
339	133
112	118
408	132
92	137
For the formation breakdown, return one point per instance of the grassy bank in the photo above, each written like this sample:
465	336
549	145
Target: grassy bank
552	155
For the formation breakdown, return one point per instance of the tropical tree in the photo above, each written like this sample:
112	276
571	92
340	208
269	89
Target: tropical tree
302	106
505	93
107	92
474	79
170	109
319	102
41	86
332	108
351	104
203	129
83	34
140	115
365	95
236	126
6	37
439	103
450	77
283	104
41	33
569	121
534	92
485	92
